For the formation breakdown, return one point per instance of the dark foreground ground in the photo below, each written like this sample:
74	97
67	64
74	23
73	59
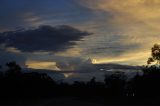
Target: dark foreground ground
72	101
64	102
21	89
50	102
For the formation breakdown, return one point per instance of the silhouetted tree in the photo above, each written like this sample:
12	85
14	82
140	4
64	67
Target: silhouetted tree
155	53
13	69
92	82
116	84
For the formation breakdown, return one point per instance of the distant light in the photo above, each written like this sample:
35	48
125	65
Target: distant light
101	69
94	61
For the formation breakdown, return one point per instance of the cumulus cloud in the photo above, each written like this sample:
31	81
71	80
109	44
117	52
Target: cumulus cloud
43	38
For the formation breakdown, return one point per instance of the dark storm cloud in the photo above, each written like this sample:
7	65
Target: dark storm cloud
43	38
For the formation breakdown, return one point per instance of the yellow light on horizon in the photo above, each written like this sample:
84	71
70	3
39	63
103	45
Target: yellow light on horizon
41	65
130	58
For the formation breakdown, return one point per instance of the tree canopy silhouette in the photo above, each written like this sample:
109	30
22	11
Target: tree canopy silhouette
155	55
13	68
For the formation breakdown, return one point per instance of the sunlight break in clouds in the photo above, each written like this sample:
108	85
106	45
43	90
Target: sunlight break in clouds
138	58
136	20
41	65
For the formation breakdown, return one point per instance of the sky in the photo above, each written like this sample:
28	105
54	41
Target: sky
61	34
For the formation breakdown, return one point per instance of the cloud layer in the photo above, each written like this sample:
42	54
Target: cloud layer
42	39
26	13
136	22
124	30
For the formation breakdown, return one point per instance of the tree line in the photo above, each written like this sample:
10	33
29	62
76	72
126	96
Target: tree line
16	84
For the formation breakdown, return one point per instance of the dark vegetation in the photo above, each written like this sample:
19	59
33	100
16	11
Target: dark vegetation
115	90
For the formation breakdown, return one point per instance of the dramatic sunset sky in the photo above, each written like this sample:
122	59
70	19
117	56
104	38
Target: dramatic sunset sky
53	34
